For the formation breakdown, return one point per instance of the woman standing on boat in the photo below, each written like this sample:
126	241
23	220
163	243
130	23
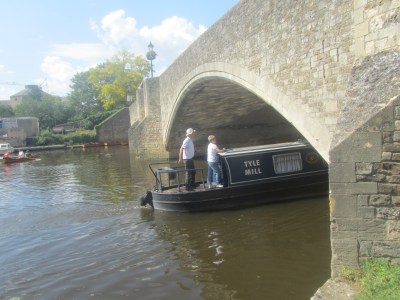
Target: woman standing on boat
214	172
186	152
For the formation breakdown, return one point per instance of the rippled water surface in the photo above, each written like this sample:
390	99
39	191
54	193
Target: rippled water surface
71	228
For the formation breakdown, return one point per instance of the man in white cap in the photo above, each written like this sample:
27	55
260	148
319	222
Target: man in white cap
186	153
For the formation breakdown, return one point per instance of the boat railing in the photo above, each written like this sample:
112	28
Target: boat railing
171	175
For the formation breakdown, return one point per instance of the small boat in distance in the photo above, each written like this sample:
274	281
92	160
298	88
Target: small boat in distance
6	147
18	159
251	176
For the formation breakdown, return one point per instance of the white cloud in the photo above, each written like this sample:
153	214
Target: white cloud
115	27
57	68
173	31
118	31
58	75
66	60
170	38
83	52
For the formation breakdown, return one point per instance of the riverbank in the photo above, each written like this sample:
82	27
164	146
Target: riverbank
64	146
336	289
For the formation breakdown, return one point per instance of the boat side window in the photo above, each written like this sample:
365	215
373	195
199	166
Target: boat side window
287	163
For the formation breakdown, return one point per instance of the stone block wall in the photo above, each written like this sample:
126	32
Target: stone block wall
145	139
365	193
30	125
381	210
115	128
16	137
16	130
365	166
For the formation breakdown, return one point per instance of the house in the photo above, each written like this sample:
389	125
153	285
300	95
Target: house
30	91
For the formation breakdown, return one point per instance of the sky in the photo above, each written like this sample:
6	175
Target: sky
46	42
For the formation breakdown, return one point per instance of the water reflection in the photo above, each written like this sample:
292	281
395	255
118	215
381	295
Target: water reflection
275	250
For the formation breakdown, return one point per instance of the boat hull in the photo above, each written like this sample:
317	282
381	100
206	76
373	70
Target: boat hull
234	197
17	160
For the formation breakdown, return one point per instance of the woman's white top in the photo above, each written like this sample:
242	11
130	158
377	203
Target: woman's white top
212	153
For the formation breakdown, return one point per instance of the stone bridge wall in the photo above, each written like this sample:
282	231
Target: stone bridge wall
115	128
145	139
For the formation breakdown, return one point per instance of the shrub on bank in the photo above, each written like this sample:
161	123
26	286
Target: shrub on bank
47	138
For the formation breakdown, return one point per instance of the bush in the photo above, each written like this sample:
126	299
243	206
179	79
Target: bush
81	137
47	138
95	119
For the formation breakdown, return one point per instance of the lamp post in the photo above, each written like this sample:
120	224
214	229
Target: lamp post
128	68
151	55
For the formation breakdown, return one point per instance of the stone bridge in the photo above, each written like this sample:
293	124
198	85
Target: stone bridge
279	70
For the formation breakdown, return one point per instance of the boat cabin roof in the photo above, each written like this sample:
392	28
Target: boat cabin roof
265	148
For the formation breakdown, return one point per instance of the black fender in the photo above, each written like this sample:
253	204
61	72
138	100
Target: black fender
147	198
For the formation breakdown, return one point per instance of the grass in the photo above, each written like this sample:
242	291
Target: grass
376	279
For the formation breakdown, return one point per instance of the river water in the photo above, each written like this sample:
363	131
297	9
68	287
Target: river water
71	228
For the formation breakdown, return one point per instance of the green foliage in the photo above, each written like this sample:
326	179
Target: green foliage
82	99
6	111
112	82
81	137
96	94
48	109
379	280
46	138
78	137
91	121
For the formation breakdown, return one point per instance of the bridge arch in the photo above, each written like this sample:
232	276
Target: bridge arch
217	96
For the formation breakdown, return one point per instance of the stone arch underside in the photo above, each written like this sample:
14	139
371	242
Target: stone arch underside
239	112
235	115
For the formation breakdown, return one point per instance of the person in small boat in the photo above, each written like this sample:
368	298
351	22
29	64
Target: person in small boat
214	172
7	155
21	153
186	154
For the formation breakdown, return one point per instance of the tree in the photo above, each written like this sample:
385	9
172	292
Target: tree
112	81
82	99
6	111
50	110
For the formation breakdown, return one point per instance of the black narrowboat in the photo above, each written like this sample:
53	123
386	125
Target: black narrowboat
251	176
